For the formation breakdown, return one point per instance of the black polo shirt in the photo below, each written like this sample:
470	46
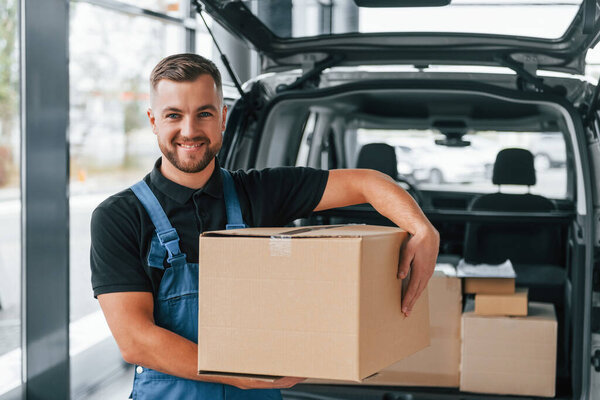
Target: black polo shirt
122	230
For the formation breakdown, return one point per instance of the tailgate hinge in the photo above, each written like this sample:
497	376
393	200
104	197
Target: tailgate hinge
596	360
530	64
311	73
526	69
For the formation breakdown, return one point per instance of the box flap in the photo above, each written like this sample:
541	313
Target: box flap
351	230
218	374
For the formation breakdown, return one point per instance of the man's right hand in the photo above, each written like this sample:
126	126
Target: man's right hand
130	318
285	382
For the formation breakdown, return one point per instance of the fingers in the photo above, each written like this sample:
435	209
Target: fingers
409	297
287	382
410	302
284	382
420	254
406	257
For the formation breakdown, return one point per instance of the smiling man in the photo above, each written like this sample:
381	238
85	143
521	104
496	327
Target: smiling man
188	152
144	250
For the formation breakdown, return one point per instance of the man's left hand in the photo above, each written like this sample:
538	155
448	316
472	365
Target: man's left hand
418	256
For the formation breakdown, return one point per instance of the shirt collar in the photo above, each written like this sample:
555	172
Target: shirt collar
182	194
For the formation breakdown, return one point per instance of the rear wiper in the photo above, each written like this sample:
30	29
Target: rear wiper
224	60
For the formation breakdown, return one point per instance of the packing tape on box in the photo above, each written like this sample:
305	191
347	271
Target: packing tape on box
280	246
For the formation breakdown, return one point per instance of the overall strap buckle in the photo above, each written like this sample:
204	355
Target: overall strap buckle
170	240
166	234
176	260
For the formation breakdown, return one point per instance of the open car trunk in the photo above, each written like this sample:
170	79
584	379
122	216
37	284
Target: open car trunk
318	128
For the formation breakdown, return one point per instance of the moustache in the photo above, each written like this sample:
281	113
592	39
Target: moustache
188	142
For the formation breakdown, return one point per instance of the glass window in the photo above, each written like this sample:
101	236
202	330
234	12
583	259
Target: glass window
592	63
172	8
111	143
548	19
10	200
438	167
204	42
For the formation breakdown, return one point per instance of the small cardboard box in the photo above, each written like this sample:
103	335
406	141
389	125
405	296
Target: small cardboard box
489	285
510	355
315	302
437	365
502	304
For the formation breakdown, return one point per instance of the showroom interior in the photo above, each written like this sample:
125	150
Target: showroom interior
59	64
74	130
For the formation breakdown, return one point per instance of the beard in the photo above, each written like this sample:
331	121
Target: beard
193	164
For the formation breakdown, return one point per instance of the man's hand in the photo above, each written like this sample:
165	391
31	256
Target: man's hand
130	318
418	256
355	186
285	382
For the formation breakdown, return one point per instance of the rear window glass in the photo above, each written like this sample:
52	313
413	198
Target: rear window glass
433	166
544	19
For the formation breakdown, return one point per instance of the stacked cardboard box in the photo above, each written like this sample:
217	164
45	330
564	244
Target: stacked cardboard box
508	345
489	285
510	355
317	302
496	295
514	304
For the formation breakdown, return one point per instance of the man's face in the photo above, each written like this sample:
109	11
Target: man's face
188	119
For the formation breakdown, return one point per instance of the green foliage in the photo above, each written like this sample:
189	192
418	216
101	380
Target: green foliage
8	61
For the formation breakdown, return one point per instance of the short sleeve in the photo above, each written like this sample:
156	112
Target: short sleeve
115	255
278	196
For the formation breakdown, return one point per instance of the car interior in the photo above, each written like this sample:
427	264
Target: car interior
319	128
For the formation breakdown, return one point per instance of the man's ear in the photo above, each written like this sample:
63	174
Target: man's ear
224	118
152	120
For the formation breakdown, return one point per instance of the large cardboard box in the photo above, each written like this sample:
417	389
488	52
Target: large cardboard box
439	364
489	285
514	304
317	302
510	355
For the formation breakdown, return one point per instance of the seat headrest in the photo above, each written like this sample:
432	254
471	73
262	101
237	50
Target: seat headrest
380	157
514	167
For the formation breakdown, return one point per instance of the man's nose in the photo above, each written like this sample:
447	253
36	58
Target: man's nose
189	127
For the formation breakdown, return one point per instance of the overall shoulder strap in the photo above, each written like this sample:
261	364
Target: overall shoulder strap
232	203
167	235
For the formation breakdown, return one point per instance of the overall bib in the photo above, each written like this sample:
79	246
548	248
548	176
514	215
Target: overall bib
176	305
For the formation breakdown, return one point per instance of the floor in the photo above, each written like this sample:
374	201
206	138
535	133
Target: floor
118	389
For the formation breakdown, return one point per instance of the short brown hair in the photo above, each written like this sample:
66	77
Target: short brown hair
185	67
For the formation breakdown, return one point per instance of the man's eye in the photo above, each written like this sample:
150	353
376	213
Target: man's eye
205	114
172	116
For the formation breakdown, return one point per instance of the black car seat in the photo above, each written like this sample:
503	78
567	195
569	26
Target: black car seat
536	250
522	243
380	157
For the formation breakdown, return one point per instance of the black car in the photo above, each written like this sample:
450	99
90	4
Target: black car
332	84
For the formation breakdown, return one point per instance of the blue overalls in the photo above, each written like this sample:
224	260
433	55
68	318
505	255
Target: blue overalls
176	305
